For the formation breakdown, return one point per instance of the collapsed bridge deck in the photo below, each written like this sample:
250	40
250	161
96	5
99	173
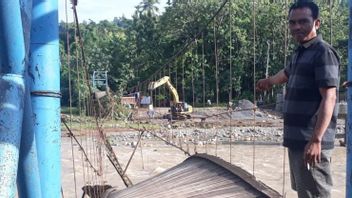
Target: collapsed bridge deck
200	175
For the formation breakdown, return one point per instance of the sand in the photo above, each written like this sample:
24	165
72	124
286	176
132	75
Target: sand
265	161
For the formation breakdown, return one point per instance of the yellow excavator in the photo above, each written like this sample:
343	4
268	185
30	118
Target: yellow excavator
179	110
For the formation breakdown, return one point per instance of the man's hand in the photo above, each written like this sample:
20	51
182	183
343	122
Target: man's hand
267	83
312	153
264	84
312	150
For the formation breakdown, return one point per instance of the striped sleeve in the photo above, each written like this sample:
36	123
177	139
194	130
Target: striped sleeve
327	69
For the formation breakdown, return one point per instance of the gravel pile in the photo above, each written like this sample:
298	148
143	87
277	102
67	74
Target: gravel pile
205	136
200	136
244	110
261	135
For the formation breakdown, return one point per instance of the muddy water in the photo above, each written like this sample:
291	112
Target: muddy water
268	163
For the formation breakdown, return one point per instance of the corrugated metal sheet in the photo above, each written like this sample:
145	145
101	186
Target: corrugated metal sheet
198	176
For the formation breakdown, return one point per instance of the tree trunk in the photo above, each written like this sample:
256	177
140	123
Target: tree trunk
203	70
216	66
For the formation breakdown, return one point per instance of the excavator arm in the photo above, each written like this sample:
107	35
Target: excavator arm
165	80
179	110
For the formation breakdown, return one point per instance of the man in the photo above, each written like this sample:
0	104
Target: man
310	112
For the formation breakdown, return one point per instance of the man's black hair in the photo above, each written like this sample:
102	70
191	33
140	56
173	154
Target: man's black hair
306	4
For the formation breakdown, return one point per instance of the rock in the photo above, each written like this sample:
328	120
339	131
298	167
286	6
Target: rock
133	144
245	104
247	139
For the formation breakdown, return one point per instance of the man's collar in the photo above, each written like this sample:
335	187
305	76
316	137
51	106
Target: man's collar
310	42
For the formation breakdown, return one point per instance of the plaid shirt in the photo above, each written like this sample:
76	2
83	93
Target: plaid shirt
314	65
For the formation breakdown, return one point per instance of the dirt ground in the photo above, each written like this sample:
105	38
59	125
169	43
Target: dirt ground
268	162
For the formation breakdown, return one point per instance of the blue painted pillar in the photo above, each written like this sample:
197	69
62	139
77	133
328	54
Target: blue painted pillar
12	61
45	94
349	114
28	181
28	178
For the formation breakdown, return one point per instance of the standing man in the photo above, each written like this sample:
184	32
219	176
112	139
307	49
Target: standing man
310	112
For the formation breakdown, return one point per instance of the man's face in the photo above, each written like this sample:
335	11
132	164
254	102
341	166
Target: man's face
302	25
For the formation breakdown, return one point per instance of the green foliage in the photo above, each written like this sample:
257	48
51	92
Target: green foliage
151	45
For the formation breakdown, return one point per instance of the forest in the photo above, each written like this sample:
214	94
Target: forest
212	50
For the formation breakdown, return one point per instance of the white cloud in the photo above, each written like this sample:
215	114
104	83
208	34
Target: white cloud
98	10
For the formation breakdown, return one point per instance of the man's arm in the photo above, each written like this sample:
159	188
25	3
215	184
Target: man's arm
313	149
265	84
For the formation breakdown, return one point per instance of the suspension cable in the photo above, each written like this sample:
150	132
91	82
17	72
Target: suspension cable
254	80
70	133
68	59
164	140
110	152
134	150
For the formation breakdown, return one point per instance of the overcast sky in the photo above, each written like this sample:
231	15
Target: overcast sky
98	10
